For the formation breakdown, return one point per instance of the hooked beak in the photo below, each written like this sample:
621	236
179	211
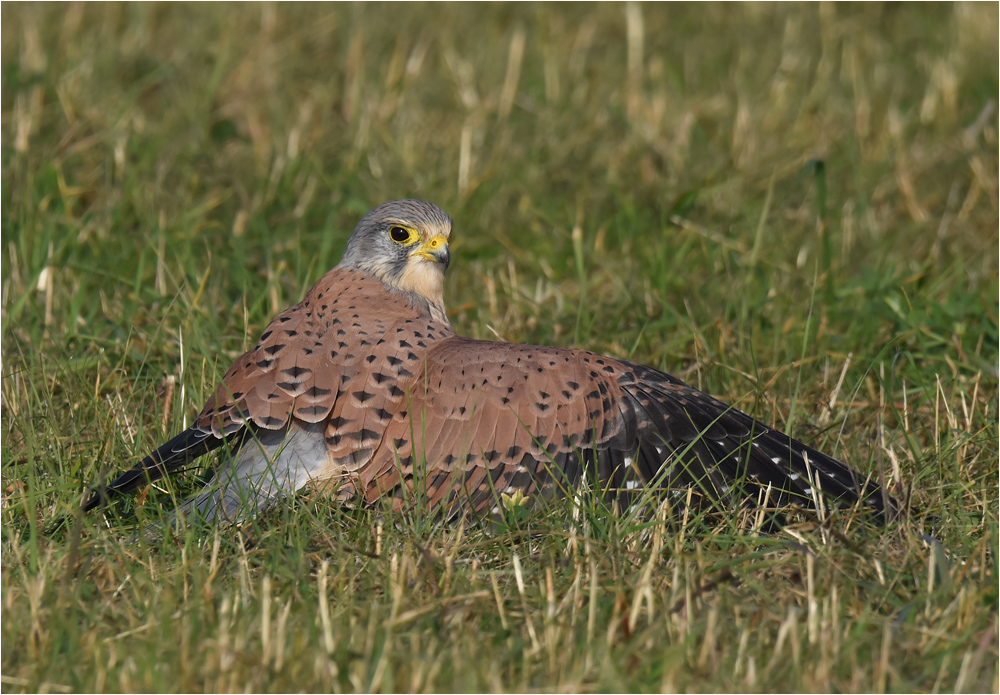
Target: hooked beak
435	250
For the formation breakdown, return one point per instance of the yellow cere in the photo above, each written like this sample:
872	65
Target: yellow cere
436	242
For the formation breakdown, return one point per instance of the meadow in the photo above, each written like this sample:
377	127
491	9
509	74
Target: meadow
791	207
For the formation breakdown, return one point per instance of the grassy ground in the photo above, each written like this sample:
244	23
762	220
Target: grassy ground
793	208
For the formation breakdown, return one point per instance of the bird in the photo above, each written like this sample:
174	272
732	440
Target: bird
364	391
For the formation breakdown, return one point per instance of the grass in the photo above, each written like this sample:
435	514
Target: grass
792	207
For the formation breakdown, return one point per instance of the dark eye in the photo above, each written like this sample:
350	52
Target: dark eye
399	234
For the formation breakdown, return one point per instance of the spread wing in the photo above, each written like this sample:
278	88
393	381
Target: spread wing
486	418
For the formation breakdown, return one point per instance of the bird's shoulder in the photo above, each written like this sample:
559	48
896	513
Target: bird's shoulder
345	325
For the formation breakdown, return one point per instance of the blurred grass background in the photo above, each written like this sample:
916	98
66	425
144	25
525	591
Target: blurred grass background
792	207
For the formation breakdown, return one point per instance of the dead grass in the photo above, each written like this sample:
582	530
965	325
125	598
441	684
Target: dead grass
791	207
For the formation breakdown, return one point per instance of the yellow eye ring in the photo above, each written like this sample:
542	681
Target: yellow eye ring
402	235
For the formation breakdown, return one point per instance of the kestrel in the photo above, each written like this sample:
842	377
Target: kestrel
364	390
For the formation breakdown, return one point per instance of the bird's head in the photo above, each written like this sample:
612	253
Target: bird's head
404	243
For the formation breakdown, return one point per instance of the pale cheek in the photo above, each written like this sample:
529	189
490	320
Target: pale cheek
422	278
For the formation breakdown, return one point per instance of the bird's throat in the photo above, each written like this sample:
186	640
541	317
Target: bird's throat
425	279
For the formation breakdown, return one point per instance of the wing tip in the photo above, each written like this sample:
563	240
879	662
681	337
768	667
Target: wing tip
190	444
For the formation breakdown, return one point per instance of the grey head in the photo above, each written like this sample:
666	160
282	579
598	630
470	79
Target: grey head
404	243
